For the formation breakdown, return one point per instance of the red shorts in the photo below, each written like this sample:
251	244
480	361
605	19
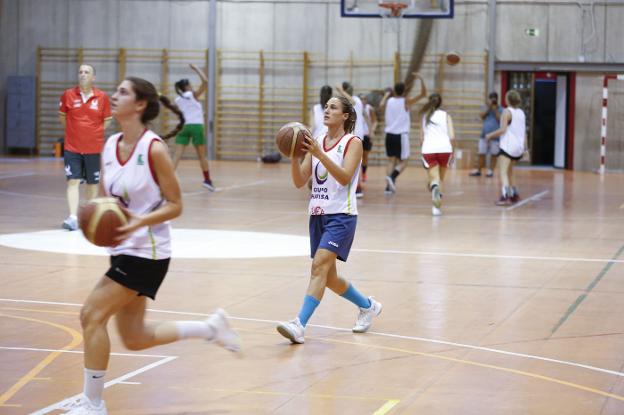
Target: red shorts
434	159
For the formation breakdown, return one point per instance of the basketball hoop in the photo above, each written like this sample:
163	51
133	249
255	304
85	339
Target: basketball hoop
391	15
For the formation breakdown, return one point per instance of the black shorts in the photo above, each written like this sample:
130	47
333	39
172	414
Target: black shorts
367	144
393	145
139	274
82	167
502	152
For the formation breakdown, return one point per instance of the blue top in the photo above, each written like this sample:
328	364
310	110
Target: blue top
490	123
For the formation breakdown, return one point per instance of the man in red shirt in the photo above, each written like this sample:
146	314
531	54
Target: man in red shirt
85	113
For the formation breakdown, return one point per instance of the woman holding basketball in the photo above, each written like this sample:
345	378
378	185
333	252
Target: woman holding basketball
333	160
512	145
436	138
138	171
193	131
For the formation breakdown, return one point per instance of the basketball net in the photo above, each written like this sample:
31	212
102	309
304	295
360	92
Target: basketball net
391	14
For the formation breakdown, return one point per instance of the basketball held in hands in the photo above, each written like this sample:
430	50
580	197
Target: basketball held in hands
99	220
290	139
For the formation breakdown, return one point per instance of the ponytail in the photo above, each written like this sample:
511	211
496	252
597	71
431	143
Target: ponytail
435	100
173	108
347	108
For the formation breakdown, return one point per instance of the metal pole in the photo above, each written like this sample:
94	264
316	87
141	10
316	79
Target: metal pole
491	45
212	74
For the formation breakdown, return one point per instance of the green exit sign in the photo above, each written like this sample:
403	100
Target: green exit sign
531	32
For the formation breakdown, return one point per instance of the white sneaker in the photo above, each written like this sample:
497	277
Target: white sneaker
366	315
224	335
71	224
436	197
83	406
292	330
208	185
436	211
391	184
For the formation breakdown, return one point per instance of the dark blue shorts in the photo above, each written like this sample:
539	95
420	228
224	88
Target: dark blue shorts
332	232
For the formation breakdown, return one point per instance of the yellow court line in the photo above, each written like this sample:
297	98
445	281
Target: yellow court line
302	395
484	365
387	407
32	374
34	310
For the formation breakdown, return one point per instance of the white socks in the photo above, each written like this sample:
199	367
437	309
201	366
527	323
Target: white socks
94	385
194	329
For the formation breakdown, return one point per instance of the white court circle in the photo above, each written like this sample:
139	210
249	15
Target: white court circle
186	243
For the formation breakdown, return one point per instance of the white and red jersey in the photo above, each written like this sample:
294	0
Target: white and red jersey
435	134
328	196
512	142
134	183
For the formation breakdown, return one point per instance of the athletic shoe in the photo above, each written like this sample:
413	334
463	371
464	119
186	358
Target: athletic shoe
515	198
71	224
391	186
489	173
365	318
436	197
359	193
83	406
224	336
388	191
475	173
293	330
208	185
503	201
436	211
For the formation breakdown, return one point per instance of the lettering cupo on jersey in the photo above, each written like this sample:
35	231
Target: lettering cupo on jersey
133	182
328	196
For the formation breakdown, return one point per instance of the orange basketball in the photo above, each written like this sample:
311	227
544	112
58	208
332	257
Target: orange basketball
453	58
99	219
290	138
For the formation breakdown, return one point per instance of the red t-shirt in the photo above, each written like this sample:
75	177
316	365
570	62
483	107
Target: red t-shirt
84	131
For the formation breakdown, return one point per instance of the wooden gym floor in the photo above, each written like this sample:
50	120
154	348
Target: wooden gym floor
487	310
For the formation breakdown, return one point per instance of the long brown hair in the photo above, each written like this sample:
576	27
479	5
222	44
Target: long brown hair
347	108
145	91
435	100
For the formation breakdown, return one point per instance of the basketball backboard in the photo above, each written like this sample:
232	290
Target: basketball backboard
435	9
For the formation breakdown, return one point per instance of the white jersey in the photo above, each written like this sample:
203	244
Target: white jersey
397	117
133	182
435	133
512	142
328	196
368	109
358	130
191	108
319	116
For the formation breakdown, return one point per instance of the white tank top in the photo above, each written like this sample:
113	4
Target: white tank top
319	127
397	118
133	183
512	142
358	130
436	136
328	196
191	108
367	118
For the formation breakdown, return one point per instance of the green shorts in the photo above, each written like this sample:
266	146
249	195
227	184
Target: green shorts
191	131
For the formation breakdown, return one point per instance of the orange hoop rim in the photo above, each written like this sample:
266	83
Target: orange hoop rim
395	8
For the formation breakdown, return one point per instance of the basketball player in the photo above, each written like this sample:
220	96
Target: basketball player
397	118
346	90
333	160
137	171
84	112
193	131
370	125
512	133
436	138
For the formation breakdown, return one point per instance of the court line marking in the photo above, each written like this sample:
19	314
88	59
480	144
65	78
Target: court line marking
32	373
589	288
58	405
11	176
380	334
484	365
493	256
535	197
34	349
